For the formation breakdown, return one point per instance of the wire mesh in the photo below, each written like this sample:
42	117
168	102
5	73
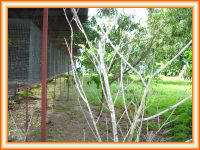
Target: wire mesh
25	69
24	54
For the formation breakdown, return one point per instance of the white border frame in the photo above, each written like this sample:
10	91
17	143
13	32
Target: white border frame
102	4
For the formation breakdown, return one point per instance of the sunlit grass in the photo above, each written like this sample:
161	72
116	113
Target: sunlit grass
163	92
166	90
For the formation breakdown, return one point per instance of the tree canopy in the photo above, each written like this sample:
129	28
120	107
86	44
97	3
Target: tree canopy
167	30
176	24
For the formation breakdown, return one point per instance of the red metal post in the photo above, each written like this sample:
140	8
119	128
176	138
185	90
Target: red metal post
44	68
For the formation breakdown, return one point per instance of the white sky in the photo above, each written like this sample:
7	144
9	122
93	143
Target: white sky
141	14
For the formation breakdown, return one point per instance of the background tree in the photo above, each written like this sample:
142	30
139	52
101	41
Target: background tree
176	31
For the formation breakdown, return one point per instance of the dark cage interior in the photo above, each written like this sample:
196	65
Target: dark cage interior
25	44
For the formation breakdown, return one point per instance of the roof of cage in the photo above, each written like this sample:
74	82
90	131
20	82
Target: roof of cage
58	28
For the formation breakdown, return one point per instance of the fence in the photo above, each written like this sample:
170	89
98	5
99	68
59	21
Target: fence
24	54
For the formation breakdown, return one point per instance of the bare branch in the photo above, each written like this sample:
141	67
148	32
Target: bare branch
108	92
169	108
169	62
123	96
77	80
29	124
129	135
20	133
121	55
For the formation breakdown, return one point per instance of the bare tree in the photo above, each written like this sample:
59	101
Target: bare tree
97	58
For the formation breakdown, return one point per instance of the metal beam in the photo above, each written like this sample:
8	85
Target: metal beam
44	71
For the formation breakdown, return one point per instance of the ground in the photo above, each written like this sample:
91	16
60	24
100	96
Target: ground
66	121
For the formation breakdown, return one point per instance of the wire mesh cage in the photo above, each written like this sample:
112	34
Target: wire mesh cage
25	84
24	54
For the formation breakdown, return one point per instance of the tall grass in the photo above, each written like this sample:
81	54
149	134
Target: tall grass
164	92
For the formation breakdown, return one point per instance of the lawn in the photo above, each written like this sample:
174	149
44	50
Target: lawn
164	92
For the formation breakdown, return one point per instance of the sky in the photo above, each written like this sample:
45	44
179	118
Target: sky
141	14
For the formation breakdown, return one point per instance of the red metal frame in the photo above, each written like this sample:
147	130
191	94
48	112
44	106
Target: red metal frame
44	69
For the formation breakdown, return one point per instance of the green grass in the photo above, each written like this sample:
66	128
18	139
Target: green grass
163	92
168	92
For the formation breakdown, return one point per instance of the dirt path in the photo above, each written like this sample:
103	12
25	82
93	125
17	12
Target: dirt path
67	123
65	119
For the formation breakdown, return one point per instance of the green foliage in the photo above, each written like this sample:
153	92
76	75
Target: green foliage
168	30
119	34
188	56
164	92
94	78
11	102
106	12
182	127
152	126
176	24
175	68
